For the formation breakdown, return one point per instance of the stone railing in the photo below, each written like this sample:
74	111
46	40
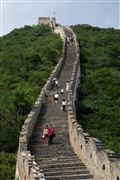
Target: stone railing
26	167
101	162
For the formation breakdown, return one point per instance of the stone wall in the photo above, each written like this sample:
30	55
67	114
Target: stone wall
26	167
101	162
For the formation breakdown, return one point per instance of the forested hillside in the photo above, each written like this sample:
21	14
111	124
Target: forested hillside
99	92
27	57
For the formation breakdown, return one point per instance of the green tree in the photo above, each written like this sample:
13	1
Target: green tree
99	92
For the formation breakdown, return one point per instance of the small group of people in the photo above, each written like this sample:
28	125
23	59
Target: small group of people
48	134
63	104
48	131
56	96
69	37
58	86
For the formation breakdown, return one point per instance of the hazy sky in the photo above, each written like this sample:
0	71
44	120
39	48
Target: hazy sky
101	13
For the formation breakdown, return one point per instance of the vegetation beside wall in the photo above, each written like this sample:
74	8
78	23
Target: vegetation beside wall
7	165
99	92
28	55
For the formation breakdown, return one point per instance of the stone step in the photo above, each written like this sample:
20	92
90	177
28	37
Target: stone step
57	138
47	169
60	158
54	146
53	113
70	177
66	164
66	172
51	116
48	156
51	154
50	162
53	106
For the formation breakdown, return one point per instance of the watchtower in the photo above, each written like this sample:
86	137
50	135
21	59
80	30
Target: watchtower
47	21
44	21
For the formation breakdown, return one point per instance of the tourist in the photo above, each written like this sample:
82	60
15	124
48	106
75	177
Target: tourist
62	91
67	86
63	105
45	135
56	83
56	98
68	40
51	134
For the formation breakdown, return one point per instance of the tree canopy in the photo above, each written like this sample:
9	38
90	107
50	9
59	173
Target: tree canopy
99	91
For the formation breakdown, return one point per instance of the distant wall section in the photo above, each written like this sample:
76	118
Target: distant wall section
47	21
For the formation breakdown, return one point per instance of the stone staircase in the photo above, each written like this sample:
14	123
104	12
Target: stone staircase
58	161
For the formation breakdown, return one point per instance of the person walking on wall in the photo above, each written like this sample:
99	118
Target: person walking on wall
51	134
64	104
56	83
67	86
45	135
62	91
56	98
54	80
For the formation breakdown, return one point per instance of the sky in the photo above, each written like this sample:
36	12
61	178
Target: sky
100	13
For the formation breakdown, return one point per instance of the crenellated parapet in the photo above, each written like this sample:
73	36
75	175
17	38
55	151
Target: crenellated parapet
26	167
101	162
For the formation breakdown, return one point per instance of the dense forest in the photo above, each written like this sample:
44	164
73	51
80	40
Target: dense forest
27	57
99	93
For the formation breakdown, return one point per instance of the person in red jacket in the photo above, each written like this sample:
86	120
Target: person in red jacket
51	134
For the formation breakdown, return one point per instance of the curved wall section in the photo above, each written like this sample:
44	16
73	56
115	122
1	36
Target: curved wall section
101	162
26	167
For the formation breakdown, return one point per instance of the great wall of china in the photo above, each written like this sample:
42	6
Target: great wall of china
101	163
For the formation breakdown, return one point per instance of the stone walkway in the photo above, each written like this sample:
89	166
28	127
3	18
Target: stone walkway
58	161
